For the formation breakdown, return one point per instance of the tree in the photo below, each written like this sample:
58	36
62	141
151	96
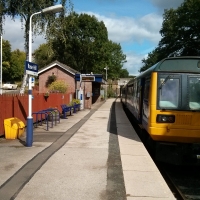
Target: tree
114	58
17	65
13	63
180	30
123	73
76	40
180	34
6	57
81	42
152	58
25	8
43	55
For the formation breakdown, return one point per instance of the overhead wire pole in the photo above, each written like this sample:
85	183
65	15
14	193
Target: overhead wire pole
29	132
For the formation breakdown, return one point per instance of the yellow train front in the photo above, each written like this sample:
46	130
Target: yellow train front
165	100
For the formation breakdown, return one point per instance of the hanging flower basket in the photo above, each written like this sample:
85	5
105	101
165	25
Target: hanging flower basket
46	94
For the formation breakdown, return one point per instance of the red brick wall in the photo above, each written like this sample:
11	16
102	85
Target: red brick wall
88	94
61	75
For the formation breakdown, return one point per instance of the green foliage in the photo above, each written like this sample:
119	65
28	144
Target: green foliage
17	64
110	93
43	55
180	34
77	101
81	42
58	86
77	39
46	94
6	50
13	63
123	73
152	58
50	80
25	8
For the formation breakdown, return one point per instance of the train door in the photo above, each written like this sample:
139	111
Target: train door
145	102
140	92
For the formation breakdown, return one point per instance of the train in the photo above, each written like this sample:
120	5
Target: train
164	100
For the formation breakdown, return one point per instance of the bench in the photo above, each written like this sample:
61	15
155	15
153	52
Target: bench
66	109
76	106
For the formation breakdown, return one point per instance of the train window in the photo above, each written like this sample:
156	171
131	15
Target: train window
194	93
138	90
135	89
146	90
168	92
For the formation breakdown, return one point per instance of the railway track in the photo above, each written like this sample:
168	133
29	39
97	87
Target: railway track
184	181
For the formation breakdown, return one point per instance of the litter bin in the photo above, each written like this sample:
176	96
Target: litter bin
14	128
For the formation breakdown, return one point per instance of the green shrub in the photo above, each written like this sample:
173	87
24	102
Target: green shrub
58	86
77	101
110	93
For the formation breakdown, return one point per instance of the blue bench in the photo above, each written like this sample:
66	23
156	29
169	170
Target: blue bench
66	109
76	106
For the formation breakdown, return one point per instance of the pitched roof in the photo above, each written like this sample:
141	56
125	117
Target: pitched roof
61	65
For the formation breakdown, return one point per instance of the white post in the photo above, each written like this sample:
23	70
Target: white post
106	89
29	131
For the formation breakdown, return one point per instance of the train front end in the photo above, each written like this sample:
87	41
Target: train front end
172	114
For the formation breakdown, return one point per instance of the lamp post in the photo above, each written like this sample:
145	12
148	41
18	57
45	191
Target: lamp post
29	131
106	68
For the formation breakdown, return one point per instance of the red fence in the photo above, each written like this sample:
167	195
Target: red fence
17	105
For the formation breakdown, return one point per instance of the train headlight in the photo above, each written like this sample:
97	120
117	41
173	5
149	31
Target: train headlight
165	118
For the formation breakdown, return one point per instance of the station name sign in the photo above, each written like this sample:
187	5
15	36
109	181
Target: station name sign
87	78
31	68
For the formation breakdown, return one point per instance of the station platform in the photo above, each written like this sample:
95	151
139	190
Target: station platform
92	155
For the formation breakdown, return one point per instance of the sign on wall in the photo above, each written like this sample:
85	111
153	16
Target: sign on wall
88	78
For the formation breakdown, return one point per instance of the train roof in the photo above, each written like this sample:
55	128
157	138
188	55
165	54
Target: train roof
182	64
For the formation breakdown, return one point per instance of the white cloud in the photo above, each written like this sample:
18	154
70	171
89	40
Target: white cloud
14	33
120	30
133	63
127	29
133	31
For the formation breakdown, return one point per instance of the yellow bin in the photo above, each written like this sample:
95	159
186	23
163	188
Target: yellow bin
14	128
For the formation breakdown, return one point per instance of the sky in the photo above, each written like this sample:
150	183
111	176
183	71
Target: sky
134	24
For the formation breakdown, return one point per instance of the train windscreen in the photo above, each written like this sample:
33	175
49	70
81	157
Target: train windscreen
194	93
169	92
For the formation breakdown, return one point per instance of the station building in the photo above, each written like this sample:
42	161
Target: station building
86	87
